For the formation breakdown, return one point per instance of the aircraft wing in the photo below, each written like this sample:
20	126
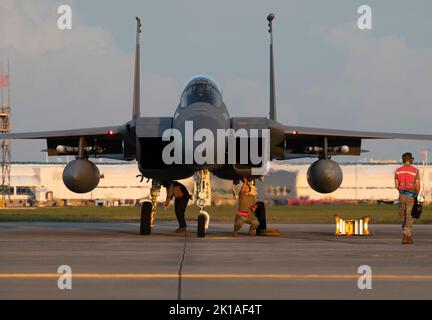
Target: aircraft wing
306	131
291	142
107	139
91	132
308	141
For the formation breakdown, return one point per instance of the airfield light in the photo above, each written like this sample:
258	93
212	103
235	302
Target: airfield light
111	132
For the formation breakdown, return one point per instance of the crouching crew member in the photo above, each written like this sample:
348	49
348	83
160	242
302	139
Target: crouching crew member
246	212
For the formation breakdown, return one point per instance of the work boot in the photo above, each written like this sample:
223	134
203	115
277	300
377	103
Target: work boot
269	232
180	230
234	234
251	233
409	240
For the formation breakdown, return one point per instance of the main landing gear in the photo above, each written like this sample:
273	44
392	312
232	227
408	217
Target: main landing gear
148	209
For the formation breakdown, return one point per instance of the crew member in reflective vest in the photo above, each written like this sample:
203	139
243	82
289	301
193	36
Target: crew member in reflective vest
407	181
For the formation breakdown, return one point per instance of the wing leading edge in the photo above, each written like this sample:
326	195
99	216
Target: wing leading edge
102	141
307	131
311	141
289	142
101	131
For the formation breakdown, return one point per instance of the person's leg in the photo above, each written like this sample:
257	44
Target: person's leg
180	208
409	219
254	223
238	224
260	213
402	209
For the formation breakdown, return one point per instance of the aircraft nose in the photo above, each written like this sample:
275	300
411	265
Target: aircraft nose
202	116
201	107
191	122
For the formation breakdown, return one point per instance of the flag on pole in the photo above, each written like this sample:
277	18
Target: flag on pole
4	81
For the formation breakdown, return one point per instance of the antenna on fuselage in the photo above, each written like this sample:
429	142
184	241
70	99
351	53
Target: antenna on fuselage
136	90
272	114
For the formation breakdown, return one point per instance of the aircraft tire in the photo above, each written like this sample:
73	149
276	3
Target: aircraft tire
145	223
260	213
201	226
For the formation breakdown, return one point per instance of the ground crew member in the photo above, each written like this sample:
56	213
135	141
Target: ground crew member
178	191
407	181
246	211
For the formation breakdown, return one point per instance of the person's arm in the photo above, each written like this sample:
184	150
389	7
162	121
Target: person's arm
170	194
417	182
396	181
245	186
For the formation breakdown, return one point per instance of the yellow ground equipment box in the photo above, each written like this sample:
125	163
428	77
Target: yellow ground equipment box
352	227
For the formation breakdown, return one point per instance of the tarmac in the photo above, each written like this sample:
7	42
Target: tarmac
112	261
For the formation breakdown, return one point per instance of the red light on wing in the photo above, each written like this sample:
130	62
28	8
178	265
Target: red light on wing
111	133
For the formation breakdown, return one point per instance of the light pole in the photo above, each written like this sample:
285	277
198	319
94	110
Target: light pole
425	183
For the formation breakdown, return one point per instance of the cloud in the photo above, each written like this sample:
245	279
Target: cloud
30	27
382	81
159	95
251	99
70	79
81	78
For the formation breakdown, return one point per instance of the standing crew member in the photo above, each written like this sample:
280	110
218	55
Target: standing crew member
178	191
246	212
407	181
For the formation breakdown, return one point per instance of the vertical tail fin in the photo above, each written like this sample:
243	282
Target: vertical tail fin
272	114
136	90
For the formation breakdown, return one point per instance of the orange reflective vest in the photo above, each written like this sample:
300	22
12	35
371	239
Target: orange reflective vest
406	176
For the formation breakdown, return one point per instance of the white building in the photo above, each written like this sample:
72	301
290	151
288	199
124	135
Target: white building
361	181
39	181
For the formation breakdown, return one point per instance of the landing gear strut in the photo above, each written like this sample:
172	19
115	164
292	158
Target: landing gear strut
146	213
203	198
148	209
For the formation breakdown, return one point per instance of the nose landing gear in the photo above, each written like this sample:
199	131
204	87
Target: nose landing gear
203	198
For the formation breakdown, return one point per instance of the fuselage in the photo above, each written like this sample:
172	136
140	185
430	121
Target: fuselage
200	113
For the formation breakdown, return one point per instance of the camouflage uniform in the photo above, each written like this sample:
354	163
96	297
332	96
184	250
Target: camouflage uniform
249	219
246	201
406	204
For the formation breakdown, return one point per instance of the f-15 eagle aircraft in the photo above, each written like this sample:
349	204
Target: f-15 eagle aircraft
201	113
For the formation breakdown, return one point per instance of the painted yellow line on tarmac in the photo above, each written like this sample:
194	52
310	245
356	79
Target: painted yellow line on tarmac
213	276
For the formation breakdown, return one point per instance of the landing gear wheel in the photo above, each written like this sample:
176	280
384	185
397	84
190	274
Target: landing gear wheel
201	226
146	212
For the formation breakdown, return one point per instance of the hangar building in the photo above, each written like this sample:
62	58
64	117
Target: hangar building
362	181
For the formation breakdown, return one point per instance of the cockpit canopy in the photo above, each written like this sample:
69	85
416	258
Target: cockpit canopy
201	89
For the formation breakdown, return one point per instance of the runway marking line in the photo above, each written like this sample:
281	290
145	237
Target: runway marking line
212	276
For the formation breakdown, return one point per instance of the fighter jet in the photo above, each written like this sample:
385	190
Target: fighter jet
202	113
